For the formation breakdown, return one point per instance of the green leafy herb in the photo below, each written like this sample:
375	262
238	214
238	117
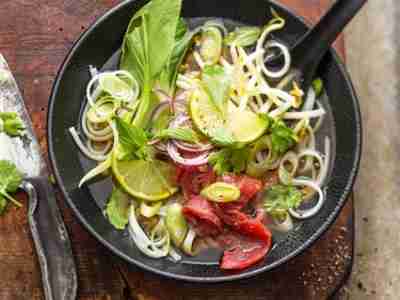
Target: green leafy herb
216	81
282	137
117	209
147	46
229	160
280	198
10	180
183	134
169	74
243	36
132	140
11	124
318	86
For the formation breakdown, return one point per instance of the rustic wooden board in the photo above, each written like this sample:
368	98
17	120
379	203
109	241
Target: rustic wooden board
35	36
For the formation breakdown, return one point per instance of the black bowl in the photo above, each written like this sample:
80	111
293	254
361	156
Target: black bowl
100	42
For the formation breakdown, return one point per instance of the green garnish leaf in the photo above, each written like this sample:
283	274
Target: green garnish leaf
282	137
229	160
183	41
117	209
217	81
280	198
12	124
183	134
147	46
243	36
133	140
318	86
10	180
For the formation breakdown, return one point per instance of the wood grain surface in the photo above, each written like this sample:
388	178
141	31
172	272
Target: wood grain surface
35	36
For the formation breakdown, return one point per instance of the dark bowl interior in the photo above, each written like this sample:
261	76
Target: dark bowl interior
99	45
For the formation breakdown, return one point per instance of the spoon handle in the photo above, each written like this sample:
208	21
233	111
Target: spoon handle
311	48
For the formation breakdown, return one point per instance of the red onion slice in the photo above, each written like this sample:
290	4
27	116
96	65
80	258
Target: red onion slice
178	122
177	157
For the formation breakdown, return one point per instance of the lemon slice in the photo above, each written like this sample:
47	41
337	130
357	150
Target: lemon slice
147	180
244	125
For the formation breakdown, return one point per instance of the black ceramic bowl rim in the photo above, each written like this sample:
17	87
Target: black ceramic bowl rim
245	274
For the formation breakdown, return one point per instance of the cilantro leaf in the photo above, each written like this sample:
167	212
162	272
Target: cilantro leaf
183	134
11	124
10	180
280	198
282	137
117	209
132	140
216	81
229	160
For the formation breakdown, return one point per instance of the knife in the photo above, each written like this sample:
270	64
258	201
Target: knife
49	234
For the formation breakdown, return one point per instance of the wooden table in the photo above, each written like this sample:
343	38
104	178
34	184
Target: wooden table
35	35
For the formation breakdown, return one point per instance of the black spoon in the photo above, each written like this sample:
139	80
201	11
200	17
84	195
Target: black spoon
309	50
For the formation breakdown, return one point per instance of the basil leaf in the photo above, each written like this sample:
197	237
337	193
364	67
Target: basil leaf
183	134
132	140
169	74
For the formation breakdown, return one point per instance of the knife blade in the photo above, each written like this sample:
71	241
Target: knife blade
52	243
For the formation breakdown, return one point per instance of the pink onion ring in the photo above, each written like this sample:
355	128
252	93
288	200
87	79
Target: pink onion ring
177	157
192	148
178	122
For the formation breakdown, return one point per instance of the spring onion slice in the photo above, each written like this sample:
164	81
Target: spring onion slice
187	245
286	56
157	245
102	151
285	226
285	175
83	148
305	214
150	210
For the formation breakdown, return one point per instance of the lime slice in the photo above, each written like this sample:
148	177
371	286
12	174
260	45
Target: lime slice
244	125
147	180
115	86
